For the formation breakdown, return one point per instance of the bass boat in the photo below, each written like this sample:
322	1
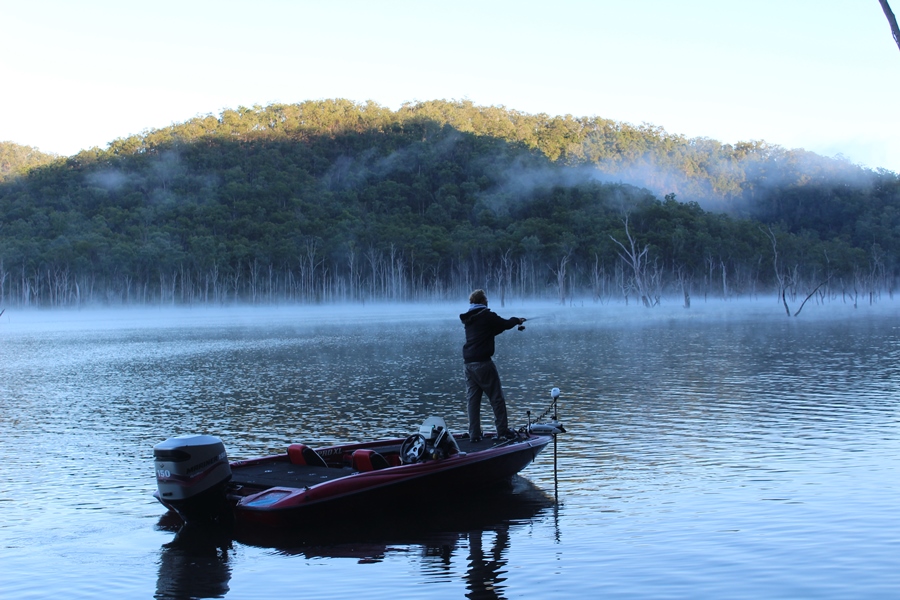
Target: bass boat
196	480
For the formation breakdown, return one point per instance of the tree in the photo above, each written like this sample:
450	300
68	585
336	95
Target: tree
634	255
892	20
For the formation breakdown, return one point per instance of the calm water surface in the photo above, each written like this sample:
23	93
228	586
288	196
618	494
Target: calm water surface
725	451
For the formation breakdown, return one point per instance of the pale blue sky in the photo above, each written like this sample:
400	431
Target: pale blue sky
823	75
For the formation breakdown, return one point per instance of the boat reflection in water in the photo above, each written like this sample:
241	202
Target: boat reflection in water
196	562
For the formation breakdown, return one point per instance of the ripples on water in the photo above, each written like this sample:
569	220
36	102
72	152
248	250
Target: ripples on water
710	453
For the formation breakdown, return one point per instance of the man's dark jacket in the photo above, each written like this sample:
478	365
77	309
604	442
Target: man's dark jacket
481	326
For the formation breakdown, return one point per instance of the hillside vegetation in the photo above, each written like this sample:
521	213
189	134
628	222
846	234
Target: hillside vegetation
337	201
16	159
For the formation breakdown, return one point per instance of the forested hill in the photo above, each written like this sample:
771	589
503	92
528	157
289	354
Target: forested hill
334	200
16	159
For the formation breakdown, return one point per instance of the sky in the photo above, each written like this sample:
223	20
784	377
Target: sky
822	75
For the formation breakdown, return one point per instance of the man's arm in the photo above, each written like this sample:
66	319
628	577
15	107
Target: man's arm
500	324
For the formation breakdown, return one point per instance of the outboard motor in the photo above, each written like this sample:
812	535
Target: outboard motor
191	474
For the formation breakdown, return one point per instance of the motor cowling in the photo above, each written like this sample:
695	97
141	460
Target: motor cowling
191	474
551	428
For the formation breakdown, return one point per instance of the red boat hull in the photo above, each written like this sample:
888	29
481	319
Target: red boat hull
274	491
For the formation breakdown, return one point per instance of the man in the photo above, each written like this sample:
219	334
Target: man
482	325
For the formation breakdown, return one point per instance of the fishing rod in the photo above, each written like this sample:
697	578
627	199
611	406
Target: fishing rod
522	327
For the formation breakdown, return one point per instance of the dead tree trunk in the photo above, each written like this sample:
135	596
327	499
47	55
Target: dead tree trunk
684	281
892	20
560	273
634	257
779	275
809	296
504	275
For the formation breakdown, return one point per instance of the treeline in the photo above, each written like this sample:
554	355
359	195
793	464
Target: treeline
338	201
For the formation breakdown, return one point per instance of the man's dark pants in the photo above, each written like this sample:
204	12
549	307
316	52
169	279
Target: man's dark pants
482	377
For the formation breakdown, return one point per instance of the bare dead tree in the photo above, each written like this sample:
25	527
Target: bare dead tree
560	273
354	275
780	276
634	256
625	284
786	280
599	280
809	296
504	275
892	20
656	282
684	279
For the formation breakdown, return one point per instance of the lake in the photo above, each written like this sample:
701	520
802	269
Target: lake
725	451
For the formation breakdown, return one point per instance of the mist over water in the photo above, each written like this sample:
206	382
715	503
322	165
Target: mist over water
721	451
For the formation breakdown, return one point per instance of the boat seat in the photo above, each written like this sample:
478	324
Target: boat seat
368	460
301	454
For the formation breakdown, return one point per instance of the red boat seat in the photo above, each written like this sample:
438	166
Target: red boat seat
301	454
367	460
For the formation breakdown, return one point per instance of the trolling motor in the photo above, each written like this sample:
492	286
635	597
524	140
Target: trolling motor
553	426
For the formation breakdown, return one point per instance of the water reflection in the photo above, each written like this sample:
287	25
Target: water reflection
196	562
485	575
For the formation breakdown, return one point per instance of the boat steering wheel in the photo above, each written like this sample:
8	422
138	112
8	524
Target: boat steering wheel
413	449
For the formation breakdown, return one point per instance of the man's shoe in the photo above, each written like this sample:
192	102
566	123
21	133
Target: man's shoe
510	435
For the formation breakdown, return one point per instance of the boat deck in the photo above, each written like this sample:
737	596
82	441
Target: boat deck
283	473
